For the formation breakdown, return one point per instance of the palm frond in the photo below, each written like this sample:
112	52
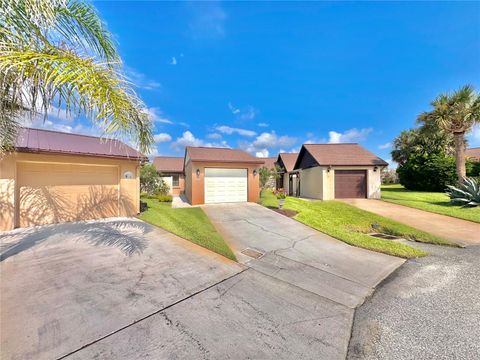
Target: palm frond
80	84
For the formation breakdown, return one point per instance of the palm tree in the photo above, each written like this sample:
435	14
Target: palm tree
60	52
456	113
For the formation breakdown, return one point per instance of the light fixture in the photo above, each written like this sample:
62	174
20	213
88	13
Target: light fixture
198	172
254	172
329	168
375	168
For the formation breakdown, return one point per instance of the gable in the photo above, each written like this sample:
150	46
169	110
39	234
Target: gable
305	160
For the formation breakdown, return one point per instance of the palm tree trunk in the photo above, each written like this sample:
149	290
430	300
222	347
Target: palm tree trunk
460	155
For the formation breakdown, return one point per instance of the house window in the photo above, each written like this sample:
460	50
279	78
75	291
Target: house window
175	180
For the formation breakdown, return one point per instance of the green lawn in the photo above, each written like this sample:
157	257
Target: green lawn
430	201
267	199
351	225
189	223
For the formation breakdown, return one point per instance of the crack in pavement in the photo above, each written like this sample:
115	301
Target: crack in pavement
148	316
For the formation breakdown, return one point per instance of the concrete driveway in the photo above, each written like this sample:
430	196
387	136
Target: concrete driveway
457	230
65	286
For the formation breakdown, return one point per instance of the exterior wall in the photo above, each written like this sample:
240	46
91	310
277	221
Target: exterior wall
311	183
373	181
195	185
175	190
39	188
286	183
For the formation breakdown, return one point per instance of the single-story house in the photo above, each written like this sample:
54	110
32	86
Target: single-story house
473	153
220	175
288	178
55	177
170	169
336	171
269	163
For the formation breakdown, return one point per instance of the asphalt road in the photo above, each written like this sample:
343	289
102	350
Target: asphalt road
427	309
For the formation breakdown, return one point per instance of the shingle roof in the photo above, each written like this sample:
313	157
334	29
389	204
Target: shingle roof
168	164
473	153
48	141
343	155
288	160
221	155
269	162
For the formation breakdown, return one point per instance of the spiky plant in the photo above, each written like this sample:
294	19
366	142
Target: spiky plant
60	52
466	194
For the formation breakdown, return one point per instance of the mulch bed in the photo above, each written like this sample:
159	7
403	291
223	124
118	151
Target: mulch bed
288	213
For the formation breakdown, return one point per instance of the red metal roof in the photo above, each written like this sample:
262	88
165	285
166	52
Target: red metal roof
168	164
343	155
48	141
221	155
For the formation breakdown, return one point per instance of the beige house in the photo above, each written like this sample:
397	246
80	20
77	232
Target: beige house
336	171
170	169
55	177
220	175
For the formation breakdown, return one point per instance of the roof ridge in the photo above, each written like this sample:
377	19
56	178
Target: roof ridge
330	144
73	134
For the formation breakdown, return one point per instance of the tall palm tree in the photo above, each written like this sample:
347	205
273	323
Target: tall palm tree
456	113
60	52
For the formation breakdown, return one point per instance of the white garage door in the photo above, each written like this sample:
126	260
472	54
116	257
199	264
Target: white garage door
225	185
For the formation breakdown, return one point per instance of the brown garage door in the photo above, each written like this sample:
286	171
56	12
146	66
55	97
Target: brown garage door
52	193
350	184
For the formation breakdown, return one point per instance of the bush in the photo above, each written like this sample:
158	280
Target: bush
474	169
162	188
149	179
389	176
280	193
164	198
428	172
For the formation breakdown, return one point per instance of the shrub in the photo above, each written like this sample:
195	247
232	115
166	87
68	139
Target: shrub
466	194
162	188
280	193
428	172
473	169
164	198
389	176
149	179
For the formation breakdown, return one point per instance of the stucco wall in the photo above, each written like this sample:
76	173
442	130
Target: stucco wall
175	190
195	185
318	183
46	188
311	183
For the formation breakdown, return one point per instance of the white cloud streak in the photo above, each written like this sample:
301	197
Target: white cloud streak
224	129
351	135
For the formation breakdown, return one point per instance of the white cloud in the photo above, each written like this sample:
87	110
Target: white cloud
262	124
162	137
188	139
140	80
262	153
231	130
474	137
208	20
233	109
173	61
267	140
156	115
214	136
351	135
385	146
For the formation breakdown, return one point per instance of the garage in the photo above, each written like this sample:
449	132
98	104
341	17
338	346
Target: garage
350	184
65	192
54	177
225	185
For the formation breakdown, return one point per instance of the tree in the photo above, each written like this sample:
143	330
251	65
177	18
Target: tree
60	52
149	179
264	175
456	114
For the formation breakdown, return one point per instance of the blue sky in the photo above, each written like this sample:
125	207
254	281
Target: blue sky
269	76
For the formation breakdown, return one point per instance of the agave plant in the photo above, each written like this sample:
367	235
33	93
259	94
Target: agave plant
466	194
